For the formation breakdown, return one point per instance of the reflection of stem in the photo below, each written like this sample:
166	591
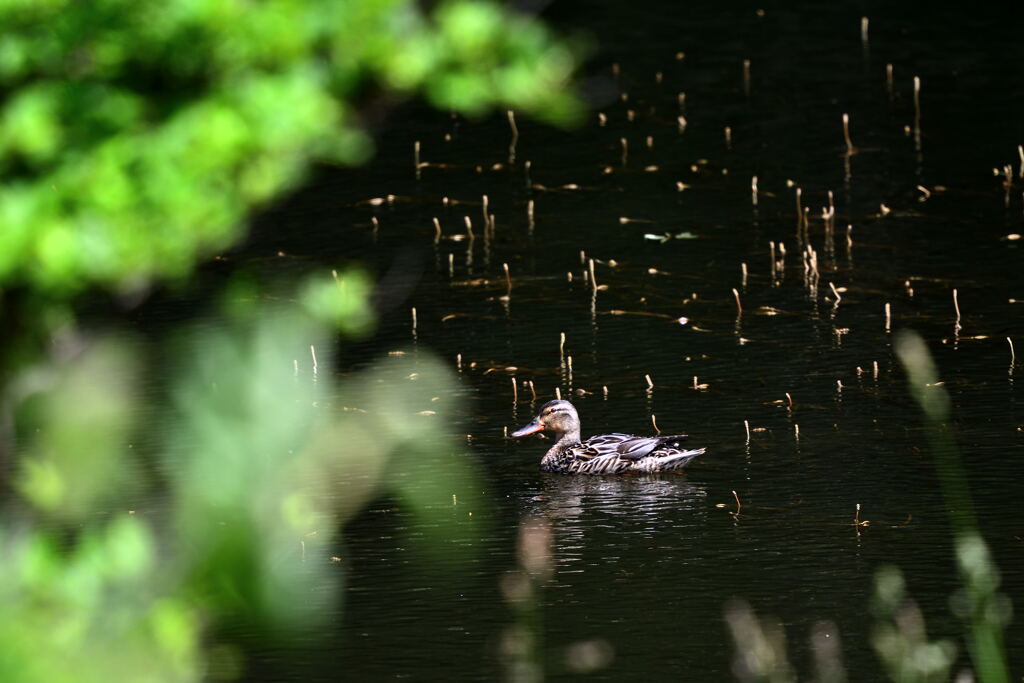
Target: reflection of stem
593	309
917	103
469	244
956	324
835	304
523	641
917	124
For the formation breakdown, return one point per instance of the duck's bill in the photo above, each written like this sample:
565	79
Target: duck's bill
531	428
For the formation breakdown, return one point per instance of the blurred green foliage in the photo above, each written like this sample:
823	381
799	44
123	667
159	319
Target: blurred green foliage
95	611
899	635
136	134
82	402
124	563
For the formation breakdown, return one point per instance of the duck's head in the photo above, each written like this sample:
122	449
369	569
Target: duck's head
558	417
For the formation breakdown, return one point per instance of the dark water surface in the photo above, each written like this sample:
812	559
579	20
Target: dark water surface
643	567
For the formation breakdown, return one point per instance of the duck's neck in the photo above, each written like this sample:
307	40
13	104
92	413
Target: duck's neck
566	440
556	459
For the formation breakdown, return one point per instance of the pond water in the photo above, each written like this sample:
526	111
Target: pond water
643	567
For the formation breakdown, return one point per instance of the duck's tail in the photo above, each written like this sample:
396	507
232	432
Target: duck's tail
676	461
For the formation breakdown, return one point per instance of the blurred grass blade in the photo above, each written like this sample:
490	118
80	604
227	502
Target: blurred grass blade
981	606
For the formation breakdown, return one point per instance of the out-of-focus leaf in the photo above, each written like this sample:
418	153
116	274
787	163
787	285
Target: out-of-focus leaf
262	465
76	460
137	134
899	635
91	613
342	300
409	402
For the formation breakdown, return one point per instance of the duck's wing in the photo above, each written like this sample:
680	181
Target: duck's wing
601	446
625	446
636	447
619	453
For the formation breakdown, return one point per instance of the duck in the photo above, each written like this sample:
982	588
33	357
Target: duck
604	454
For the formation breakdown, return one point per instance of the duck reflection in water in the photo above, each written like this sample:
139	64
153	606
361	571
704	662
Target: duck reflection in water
596	518
606	453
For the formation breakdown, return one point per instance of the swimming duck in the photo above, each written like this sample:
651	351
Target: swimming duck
604	454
